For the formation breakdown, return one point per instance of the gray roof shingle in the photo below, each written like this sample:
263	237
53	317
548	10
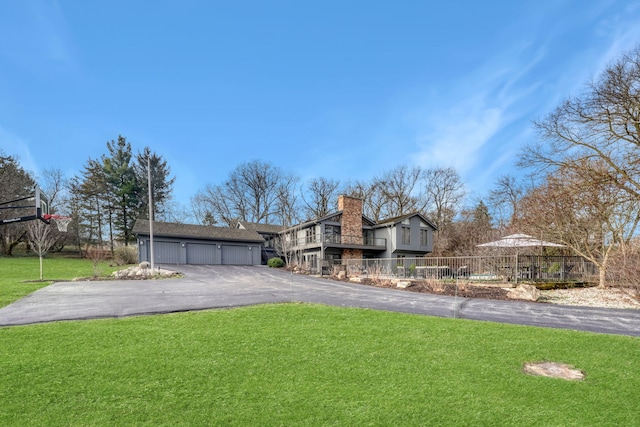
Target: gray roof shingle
192	231
261	228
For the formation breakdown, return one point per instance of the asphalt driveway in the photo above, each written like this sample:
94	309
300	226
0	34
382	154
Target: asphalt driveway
210	287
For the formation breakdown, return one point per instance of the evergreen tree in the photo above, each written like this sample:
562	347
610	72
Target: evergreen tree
123	186
161	183
90	205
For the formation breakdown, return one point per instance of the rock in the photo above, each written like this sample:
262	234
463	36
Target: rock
554	370
144	265
137	272
403	285
342	275
524	292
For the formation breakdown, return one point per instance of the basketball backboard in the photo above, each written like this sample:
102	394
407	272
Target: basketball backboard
26	207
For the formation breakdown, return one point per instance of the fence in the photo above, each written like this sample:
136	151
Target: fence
512	268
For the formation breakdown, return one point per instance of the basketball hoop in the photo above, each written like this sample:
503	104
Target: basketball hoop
61	222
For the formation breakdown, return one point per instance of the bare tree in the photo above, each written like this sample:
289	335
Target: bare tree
253	192
320	197
287	204
474	227
594	221
15	183
400	187
504	199
596	134
42	238
373	198
444	192
55	185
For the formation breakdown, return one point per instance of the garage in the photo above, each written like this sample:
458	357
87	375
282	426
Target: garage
235	255
201	253
166	252
197	244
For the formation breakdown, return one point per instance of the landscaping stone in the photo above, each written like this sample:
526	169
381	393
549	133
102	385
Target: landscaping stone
525	293
403	285
554	370
140	272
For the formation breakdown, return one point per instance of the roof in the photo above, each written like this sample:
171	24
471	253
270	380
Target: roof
398	219
192	231
384	222
260	228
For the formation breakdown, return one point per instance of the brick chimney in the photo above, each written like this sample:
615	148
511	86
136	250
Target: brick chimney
351	208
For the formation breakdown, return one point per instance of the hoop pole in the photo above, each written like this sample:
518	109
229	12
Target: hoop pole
150	210
38	206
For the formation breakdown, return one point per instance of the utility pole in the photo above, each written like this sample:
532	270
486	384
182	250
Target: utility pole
150	211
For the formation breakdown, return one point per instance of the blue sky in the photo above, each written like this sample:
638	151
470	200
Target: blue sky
340	89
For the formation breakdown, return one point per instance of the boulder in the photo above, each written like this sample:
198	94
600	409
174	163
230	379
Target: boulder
404	284
342	275
524	292
144	265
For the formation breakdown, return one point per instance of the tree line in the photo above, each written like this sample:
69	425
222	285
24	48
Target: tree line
582	188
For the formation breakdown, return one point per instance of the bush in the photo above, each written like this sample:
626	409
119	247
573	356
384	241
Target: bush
125	255
275	262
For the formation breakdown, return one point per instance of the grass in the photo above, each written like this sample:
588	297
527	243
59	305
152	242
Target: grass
299	364
19	275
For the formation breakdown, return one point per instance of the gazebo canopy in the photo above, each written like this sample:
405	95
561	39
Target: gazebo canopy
519	241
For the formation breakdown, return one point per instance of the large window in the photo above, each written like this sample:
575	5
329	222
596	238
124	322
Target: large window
332	233
424	237
406	235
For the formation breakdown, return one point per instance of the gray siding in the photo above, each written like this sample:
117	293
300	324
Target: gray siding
234	255
198	252
201	253
167	252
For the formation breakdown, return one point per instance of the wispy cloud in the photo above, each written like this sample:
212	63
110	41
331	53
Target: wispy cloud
12	145
35	34
490	99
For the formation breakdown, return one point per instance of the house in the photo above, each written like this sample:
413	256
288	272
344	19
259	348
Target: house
348	234
198	244
270	233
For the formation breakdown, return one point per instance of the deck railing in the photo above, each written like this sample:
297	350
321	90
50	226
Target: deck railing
315	240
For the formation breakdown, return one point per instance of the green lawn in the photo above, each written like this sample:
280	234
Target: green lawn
300	364
19	275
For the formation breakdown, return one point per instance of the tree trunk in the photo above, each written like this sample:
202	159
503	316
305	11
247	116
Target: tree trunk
602	273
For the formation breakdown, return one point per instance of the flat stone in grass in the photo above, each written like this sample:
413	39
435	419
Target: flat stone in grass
554	370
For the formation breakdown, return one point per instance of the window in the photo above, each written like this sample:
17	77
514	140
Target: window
368	237
332	234
406	235
424	237
311	234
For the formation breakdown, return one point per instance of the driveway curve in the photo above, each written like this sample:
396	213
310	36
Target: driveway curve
210	287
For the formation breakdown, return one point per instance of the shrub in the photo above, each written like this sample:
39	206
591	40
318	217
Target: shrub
275	262
125	255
